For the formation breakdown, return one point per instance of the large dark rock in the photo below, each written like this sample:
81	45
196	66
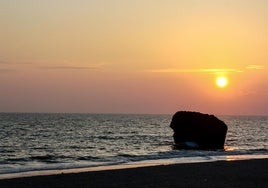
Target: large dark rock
194	130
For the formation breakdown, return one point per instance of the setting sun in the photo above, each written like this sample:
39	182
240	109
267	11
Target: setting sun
222	81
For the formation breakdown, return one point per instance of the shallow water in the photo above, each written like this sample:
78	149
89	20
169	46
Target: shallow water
59	141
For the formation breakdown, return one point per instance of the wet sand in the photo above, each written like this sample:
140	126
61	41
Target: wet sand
245	173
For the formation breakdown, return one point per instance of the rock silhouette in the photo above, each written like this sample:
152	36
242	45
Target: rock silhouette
194	130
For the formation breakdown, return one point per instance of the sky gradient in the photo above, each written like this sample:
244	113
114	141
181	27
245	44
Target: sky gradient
152	56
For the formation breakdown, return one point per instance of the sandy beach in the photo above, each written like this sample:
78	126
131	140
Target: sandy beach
245	173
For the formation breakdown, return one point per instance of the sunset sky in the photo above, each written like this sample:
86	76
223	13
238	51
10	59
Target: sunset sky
142	56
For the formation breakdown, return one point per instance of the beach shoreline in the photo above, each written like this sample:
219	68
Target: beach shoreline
137	164
244	173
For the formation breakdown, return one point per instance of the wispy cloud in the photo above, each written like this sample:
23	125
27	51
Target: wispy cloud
68	67
96	66
256	67
208	70
15	63
6	66
6	70
203	70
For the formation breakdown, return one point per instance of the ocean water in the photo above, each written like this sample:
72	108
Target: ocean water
35	141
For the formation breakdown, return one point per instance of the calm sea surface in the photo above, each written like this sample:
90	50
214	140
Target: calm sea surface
31	142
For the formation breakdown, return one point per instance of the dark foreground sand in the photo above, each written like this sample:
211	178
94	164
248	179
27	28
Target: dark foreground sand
241	174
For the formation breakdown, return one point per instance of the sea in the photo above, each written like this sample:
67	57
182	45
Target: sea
45	141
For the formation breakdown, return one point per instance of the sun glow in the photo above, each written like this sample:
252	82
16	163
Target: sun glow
221	82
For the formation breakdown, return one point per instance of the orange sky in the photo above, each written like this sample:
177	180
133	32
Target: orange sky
119	56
